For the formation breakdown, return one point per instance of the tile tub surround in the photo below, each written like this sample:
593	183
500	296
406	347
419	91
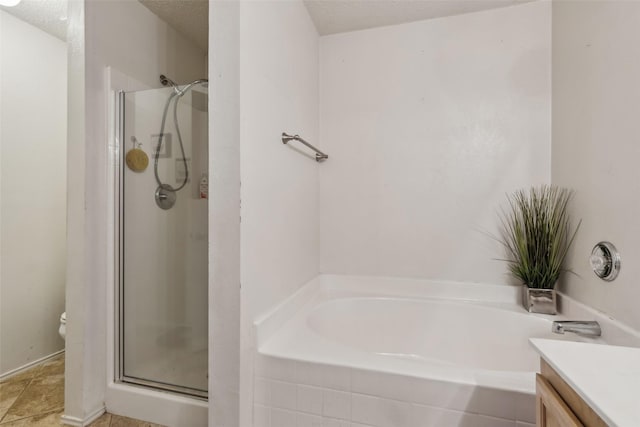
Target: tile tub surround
289	393
304	376
35	397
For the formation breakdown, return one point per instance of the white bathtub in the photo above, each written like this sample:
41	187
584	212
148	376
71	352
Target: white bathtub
398	352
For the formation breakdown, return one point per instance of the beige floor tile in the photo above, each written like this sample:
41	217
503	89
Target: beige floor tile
44	394
35	398
55	365
119	421
24	375
103	421
9	392
50	419
51	367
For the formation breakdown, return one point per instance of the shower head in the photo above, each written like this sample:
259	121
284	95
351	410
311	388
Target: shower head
166	81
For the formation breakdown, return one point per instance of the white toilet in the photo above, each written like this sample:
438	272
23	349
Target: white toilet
63	325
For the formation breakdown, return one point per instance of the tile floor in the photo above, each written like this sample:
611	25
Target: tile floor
36	398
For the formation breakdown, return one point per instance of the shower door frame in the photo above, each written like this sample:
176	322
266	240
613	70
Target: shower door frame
119	221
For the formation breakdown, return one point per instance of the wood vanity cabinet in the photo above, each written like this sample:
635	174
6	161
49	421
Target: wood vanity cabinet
558	405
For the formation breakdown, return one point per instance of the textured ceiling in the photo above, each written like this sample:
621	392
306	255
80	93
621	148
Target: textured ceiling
189	17
338	16
48	15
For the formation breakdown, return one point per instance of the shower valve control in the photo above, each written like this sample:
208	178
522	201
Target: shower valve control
605	261
165	196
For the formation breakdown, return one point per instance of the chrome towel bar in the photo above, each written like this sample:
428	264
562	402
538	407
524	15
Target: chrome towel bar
320	156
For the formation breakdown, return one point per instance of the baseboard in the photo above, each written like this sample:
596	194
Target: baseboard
16	371
78	422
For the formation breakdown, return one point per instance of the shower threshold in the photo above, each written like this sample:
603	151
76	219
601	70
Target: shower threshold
199	394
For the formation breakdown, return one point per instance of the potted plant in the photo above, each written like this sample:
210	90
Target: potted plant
537	234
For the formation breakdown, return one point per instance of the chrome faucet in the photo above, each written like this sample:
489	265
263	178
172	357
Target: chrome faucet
582	327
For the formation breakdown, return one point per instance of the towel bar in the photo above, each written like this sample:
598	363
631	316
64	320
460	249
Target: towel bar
320	156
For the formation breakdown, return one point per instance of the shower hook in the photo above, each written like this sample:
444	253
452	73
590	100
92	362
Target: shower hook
135	142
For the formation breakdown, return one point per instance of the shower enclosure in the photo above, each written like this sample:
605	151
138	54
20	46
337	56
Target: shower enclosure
162	220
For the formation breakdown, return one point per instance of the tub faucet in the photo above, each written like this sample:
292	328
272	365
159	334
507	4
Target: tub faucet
582	327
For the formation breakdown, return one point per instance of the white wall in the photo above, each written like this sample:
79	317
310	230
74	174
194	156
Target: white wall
596	100
427	126
33	144
224	214
279	193
128	37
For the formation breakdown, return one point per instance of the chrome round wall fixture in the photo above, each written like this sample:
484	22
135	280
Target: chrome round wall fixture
605	261
165	196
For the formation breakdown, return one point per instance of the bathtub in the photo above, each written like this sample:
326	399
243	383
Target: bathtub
388	352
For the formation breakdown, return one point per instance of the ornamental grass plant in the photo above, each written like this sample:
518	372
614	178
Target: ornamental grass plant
537	233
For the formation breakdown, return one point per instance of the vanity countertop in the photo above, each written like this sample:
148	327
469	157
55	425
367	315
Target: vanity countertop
607	377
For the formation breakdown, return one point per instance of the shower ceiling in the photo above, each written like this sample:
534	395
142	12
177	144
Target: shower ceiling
189	17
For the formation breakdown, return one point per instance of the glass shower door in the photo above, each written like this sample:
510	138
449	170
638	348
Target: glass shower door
163	223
